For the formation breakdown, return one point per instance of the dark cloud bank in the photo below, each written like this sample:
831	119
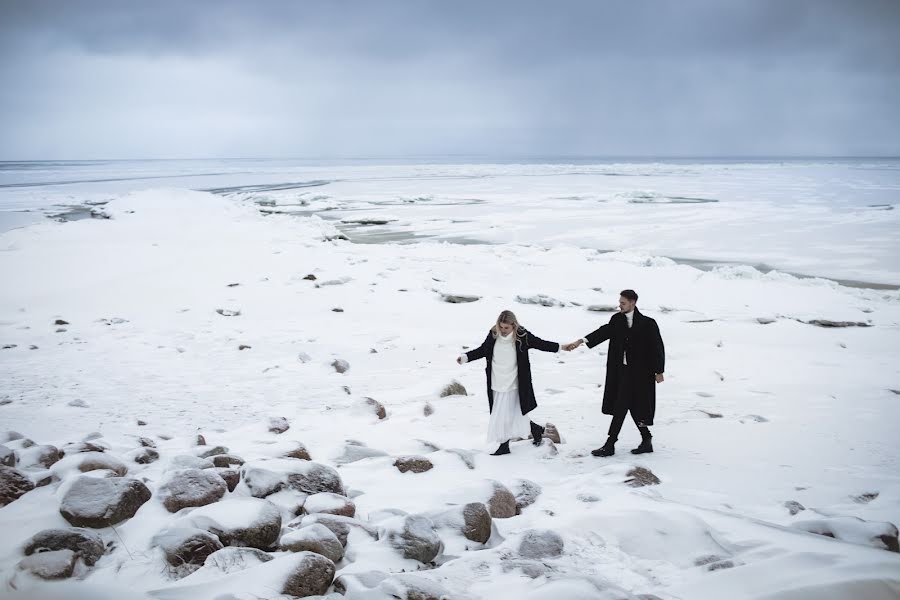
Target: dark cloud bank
336	78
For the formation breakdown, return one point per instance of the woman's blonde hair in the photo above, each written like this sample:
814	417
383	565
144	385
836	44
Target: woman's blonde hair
509	317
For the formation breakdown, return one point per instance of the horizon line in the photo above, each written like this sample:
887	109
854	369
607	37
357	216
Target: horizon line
478	156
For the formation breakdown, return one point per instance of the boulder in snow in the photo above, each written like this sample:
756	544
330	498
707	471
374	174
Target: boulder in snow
541	544
299	452
56	564
459	298
526	493
472	520
96	461
540	300
13	485
329	503
376	407
353	453
640	477
7	457
502	504
186	461
232	477
93	502
239	522
415	464
225	461
350	583
413	587
86	544
454	388
340	526
145	456
209	453
39	457
854	530
278	425
186	548
192	487
314	538
414	536
232	559
311	577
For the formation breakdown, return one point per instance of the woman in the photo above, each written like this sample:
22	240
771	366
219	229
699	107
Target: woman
509	388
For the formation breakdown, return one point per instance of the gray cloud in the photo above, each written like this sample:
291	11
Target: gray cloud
698	77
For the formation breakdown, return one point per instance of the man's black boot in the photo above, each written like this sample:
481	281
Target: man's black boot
646	443
503	449
608	449
537	432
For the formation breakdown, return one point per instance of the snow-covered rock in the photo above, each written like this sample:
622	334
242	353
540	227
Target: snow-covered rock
341	527
414	464
312	576
55	564
13	485
236	558
526	493
540	544
85	462
313	538
85	543
7	457
188	461
267	477
354	452
239	522
472	520
44	456
278	425
186	548
97	503
414	536
330	503
854	530
191	487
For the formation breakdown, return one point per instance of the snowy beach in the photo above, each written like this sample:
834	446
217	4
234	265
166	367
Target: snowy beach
233	299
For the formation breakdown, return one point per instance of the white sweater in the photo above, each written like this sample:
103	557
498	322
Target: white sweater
504	365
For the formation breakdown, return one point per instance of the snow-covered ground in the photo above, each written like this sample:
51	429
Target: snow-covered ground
769	427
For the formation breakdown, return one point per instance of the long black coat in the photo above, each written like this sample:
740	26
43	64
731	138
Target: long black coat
646	357
525	342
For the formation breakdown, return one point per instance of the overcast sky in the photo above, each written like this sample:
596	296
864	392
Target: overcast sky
122	79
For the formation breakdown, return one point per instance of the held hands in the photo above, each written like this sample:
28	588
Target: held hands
571	346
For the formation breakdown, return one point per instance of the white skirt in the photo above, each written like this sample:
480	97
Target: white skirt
507	421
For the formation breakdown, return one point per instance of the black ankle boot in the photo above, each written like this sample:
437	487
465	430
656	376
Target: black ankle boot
608	449
646	443
537	432
503	449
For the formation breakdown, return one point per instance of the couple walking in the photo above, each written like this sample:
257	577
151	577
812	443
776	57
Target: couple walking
635	364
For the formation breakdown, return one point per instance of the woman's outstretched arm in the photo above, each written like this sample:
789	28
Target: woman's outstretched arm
477	353
539	344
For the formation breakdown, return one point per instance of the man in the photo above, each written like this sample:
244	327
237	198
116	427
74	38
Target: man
634	365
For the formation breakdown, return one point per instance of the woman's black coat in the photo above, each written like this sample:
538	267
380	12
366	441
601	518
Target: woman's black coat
646	358
525	341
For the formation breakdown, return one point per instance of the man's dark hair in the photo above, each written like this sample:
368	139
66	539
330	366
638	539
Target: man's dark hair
629	295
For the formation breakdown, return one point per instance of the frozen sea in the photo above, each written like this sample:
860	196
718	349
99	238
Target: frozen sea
832	218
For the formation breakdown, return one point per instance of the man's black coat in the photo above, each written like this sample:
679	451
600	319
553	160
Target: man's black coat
646	358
